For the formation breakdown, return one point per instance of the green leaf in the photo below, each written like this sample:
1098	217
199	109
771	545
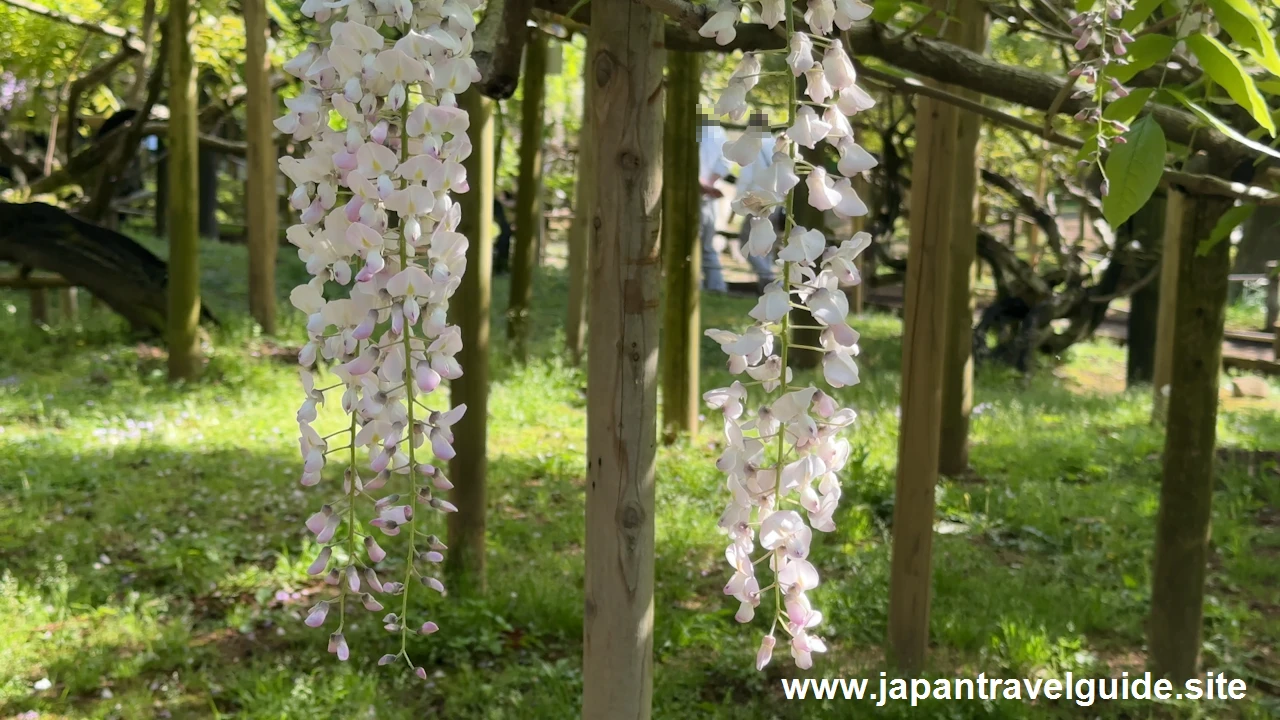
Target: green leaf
1141	11
885	10
281	17
1225	69
1270	86
1128	107
1133	170
1218	125
1241	19
1222	230
1143	53
1084	5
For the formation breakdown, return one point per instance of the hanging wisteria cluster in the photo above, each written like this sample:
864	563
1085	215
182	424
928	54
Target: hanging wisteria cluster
378	234
1099	28
783	458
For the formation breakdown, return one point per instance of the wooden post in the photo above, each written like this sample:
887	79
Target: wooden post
524	256
261	203
681	248
70	301
1162	371
465	562
968	30
39	300
184	229
1186	487
622	363
1146	228
579	231
923	354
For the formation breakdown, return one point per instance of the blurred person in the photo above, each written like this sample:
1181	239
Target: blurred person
712	167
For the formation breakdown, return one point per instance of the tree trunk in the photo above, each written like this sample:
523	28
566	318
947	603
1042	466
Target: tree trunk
1162	370
580	232
681	257
622	362
466	558
261	201
112	267
1186	487
1146	228
208	192
528	188
184	228
969	30
923	353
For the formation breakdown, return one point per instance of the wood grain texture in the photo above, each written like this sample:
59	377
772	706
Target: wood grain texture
923	355
626	68
1186	486
970	32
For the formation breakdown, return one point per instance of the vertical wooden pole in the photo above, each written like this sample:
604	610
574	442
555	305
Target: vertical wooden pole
39	299
1186	487
1146	228
184	229
70	305
1170	257
524	256
465	562
261	202
923	353
622	364
968	30
681	247
580	232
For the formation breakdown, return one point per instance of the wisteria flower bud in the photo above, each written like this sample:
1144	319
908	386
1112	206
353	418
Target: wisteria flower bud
317	614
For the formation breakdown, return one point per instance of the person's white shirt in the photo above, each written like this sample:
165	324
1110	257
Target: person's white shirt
763	160
711	160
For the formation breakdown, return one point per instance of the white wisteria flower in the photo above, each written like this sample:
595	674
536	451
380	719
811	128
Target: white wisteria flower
377	233
784	453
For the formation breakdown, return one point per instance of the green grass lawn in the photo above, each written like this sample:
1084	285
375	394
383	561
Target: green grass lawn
152	551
